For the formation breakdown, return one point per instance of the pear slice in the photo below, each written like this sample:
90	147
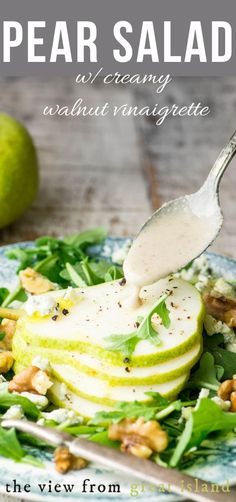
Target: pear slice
73	402
99	391
99	311
115	375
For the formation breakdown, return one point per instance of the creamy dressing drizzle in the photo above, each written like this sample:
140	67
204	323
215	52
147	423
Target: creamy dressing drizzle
165	245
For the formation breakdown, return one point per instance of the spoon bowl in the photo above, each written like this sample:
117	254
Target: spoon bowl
180	230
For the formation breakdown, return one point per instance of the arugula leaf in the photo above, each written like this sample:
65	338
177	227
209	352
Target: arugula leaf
205	419
113	273
50	257
27	439
82	430
126	343
91	272
9	445
123	343
148	410
102	438
93	236
207	373
7	399
4	292
18	294
222	357
73	276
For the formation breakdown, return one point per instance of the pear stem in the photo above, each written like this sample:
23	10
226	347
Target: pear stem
13	314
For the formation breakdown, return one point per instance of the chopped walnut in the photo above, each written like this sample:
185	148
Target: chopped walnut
138	437
7	327
31	379
65	461
221	308
6	361
227	392
35	283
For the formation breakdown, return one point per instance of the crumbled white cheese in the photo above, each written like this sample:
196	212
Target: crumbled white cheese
41	363
15	412
42	305
40	401
203	394
107	251
185	413
223	288
198	273
118	256
212	326
223	405
3	385
202	282
231	347
201	264
62	415
41	421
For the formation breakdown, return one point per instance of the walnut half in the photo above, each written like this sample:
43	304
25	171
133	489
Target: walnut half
227	392
222	308
138	437
7	327
65	461
35	283
6	361
31	379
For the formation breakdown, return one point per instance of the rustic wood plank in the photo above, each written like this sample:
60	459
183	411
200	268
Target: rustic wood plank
106	171
183	149
91	167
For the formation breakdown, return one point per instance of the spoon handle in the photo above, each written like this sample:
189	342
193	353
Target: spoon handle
222	163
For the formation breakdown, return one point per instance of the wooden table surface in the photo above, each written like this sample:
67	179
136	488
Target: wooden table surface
115	171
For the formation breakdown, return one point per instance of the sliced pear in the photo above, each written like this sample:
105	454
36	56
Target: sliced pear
100	391
73	402
99	311
115	375
75	344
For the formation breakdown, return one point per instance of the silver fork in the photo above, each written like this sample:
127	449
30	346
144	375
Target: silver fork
142	469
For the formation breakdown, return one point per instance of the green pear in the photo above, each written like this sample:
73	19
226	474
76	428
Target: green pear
18	170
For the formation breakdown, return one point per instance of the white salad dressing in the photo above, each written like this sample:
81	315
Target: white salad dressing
166	244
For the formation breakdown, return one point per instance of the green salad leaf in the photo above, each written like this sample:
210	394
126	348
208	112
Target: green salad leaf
222	357
206	418
63	261
87	237
7	399
9	445
207	374
126	343
4	292
89	272
136	409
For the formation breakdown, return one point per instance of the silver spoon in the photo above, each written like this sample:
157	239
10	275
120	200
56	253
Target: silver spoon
149	258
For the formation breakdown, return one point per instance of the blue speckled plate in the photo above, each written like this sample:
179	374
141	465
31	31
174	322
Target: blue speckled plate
215	468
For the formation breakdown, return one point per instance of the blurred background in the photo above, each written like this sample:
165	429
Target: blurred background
114	172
